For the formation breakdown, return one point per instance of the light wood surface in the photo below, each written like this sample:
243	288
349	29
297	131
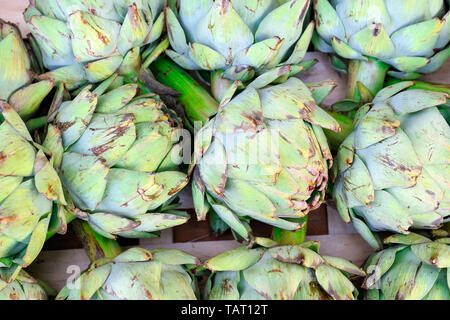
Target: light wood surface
11	11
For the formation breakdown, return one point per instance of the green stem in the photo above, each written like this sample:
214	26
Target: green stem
285	237
335	139
198	104
159	49
370	73
36	123
172	4
95	245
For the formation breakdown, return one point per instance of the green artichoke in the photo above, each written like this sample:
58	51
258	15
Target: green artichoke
393	170
414	268
408	35
296	272
24	287
117	156
264	155
31	194
411	36
239	38
136	274
16	74
87	41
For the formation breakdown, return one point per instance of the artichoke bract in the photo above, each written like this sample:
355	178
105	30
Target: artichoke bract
87	41
117	154
239	38
393	170
410	36
136	274
295	272
31	195
264	155
16	74
413	267
24	287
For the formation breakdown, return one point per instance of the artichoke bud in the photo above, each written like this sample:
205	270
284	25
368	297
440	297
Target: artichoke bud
137	274
393	169
117	154
389	31
85	42
411	267
238	38
296	272
31	189
249	165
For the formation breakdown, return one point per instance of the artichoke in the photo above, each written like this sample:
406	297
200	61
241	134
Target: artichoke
393	170
411	36
413	268
136	274
31	195
117	156
264	155
295	272
16	74
239	38
24	287
87	41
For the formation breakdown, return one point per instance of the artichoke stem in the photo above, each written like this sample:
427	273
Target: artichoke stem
371	73
198	104
37	123
335	139
95	245
160	48
286	237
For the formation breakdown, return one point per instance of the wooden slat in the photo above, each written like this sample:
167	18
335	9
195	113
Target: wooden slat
11	11
335	224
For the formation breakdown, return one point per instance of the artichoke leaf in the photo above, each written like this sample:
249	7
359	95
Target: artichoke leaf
143	281
93	280
335	283
174	257
343	265
281	279
297	255
433	253
409	278
234	260
134	255
225	286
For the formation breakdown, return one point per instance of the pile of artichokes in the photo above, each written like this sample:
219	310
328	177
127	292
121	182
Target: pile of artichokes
101	107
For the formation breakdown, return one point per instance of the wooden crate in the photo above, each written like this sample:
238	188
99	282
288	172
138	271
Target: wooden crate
194	237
